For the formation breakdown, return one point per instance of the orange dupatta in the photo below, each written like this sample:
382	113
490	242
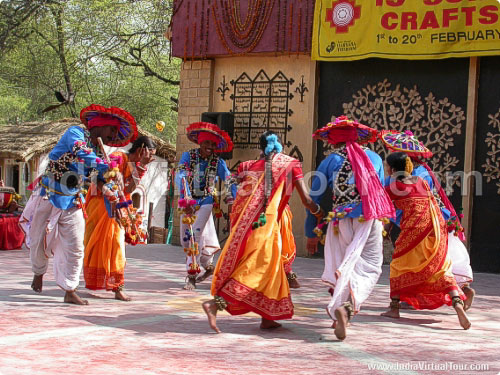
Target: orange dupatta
104	241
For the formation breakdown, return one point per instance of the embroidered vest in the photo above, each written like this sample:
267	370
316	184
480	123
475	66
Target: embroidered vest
343	192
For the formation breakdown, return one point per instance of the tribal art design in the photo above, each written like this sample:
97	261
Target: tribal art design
436	122
492	165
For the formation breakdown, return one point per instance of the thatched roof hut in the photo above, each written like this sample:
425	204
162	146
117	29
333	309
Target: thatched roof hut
25	141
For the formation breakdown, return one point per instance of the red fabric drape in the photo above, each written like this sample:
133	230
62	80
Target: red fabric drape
11	235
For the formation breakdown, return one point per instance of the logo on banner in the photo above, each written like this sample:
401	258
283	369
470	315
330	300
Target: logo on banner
343	14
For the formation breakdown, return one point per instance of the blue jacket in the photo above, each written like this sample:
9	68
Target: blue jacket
199	185
70	161
327	171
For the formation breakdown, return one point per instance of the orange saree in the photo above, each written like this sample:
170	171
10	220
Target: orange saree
420	271
104	261
250	273
289	248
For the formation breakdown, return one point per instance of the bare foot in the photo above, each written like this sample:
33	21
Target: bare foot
208	272
211	310
462	317
341	325
190	284
269	324
37	283
119	295
293	283
72	297
392	313
469	293
334	324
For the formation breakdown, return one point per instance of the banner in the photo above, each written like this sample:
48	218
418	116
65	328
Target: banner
405	29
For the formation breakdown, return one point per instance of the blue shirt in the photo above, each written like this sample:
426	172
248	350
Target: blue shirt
72	159
421	172
327	172
199	183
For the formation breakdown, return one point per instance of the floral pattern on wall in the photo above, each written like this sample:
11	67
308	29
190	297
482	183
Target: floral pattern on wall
492	165
435	121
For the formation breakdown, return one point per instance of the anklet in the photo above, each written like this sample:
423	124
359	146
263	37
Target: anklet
220	303
457	300
349	309
394	303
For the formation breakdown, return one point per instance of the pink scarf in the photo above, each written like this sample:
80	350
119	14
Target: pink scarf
376	203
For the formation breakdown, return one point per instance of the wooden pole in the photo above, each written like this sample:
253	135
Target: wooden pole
470	147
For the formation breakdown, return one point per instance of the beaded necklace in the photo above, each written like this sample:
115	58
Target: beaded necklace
193	171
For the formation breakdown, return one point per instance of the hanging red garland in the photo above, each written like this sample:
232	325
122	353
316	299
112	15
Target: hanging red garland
243	35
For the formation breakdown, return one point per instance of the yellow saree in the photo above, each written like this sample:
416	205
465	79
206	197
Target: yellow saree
250	273
104	261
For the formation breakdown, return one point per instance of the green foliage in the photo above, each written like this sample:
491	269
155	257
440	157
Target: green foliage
109	52
14	107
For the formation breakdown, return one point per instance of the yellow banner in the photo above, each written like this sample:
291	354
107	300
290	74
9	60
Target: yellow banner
405	29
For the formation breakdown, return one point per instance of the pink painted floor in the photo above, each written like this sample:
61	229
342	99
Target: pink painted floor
164	330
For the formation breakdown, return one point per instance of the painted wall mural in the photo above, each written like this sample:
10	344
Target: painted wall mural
492	165
435	121
260	103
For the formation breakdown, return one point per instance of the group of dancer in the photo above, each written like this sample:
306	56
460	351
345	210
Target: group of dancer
73	211
430	266
84	229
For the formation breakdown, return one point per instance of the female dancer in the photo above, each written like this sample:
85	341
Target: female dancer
250	274
420	271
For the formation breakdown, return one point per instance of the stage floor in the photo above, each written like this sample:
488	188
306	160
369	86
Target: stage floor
164	330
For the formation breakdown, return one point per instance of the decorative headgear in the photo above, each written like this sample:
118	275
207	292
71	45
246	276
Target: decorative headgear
405	142
375	201
199	131
96	115
344	130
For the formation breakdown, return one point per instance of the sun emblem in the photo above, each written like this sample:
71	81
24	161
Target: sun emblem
343	14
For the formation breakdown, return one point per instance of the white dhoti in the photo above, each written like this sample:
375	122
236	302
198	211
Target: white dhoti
52	231
353	261
206	236
460	261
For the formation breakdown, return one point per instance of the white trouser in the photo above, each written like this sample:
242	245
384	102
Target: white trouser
205	234
52	231
353	261
460	261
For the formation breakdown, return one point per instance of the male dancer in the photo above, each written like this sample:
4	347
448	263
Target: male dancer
353	248
196	176
53	218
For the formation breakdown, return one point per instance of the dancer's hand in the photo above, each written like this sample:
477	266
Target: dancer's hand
312	245
146	156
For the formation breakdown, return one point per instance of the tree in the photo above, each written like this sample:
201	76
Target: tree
61	55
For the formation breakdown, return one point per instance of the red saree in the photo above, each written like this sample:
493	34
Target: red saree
420	269
250	273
